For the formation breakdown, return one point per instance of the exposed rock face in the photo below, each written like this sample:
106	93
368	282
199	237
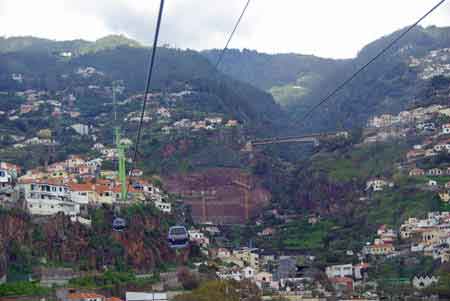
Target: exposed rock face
220	195
143	245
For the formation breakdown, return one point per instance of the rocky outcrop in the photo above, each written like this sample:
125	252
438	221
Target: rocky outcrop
220	195
142	245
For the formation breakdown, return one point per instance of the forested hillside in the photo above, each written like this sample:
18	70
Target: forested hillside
175	68
298	82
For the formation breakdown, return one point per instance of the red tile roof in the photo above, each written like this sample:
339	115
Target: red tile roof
84	296
81	187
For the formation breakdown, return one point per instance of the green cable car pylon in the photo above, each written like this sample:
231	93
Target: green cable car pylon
122	168
120	147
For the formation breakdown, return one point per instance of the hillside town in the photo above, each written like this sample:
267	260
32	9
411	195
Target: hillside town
184	171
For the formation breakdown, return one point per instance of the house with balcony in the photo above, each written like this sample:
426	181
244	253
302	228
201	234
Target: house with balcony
343	270
48	197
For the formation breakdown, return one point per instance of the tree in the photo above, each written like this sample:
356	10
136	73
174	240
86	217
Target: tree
223	291
188	280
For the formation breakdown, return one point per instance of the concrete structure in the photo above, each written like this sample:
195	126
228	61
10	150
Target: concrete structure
141	296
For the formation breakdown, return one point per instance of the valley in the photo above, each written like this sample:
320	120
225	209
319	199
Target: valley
354	203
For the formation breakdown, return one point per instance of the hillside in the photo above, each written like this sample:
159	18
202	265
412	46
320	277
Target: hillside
298	82
75	47
174	69
391	84
26	241
288	76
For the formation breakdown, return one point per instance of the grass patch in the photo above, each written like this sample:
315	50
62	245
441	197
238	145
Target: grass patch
362	163
300	235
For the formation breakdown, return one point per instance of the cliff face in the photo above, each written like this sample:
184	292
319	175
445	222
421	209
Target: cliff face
142	245
11	228
220	195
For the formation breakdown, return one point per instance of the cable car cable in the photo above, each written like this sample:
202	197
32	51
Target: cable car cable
219	60
147	85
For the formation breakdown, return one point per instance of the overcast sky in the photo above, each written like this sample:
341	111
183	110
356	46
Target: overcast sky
327	28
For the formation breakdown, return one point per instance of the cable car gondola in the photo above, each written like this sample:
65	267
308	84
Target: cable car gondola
178	237
119	224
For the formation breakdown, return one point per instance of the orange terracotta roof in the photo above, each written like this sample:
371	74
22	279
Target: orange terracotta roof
84	296
7	165
102	188
103	181
54	181
113	299
81	187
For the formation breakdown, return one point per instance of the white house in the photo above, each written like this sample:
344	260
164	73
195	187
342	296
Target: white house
248	273
446	128
263	280
198	237
343	270
421	282
81	129
378	184
5	176
48	197
163	206
432	183
98	146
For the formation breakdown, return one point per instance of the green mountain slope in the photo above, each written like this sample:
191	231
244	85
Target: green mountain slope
76	47
289	77
174	68
298	81
389	85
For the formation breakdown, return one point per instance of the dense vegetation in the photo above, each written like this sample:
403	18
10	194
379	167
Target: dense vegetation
222	291
22	289
388	85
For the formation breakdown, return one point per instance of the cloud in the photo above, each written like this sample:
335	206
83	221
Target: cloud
321	27
187	23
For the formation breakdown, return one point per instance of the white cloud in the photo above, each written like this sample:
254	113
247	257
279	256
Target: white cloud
320	27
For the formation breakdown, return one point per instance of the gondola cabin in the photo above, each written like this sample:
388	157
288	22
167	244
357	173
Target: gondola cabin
178	237
119	224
